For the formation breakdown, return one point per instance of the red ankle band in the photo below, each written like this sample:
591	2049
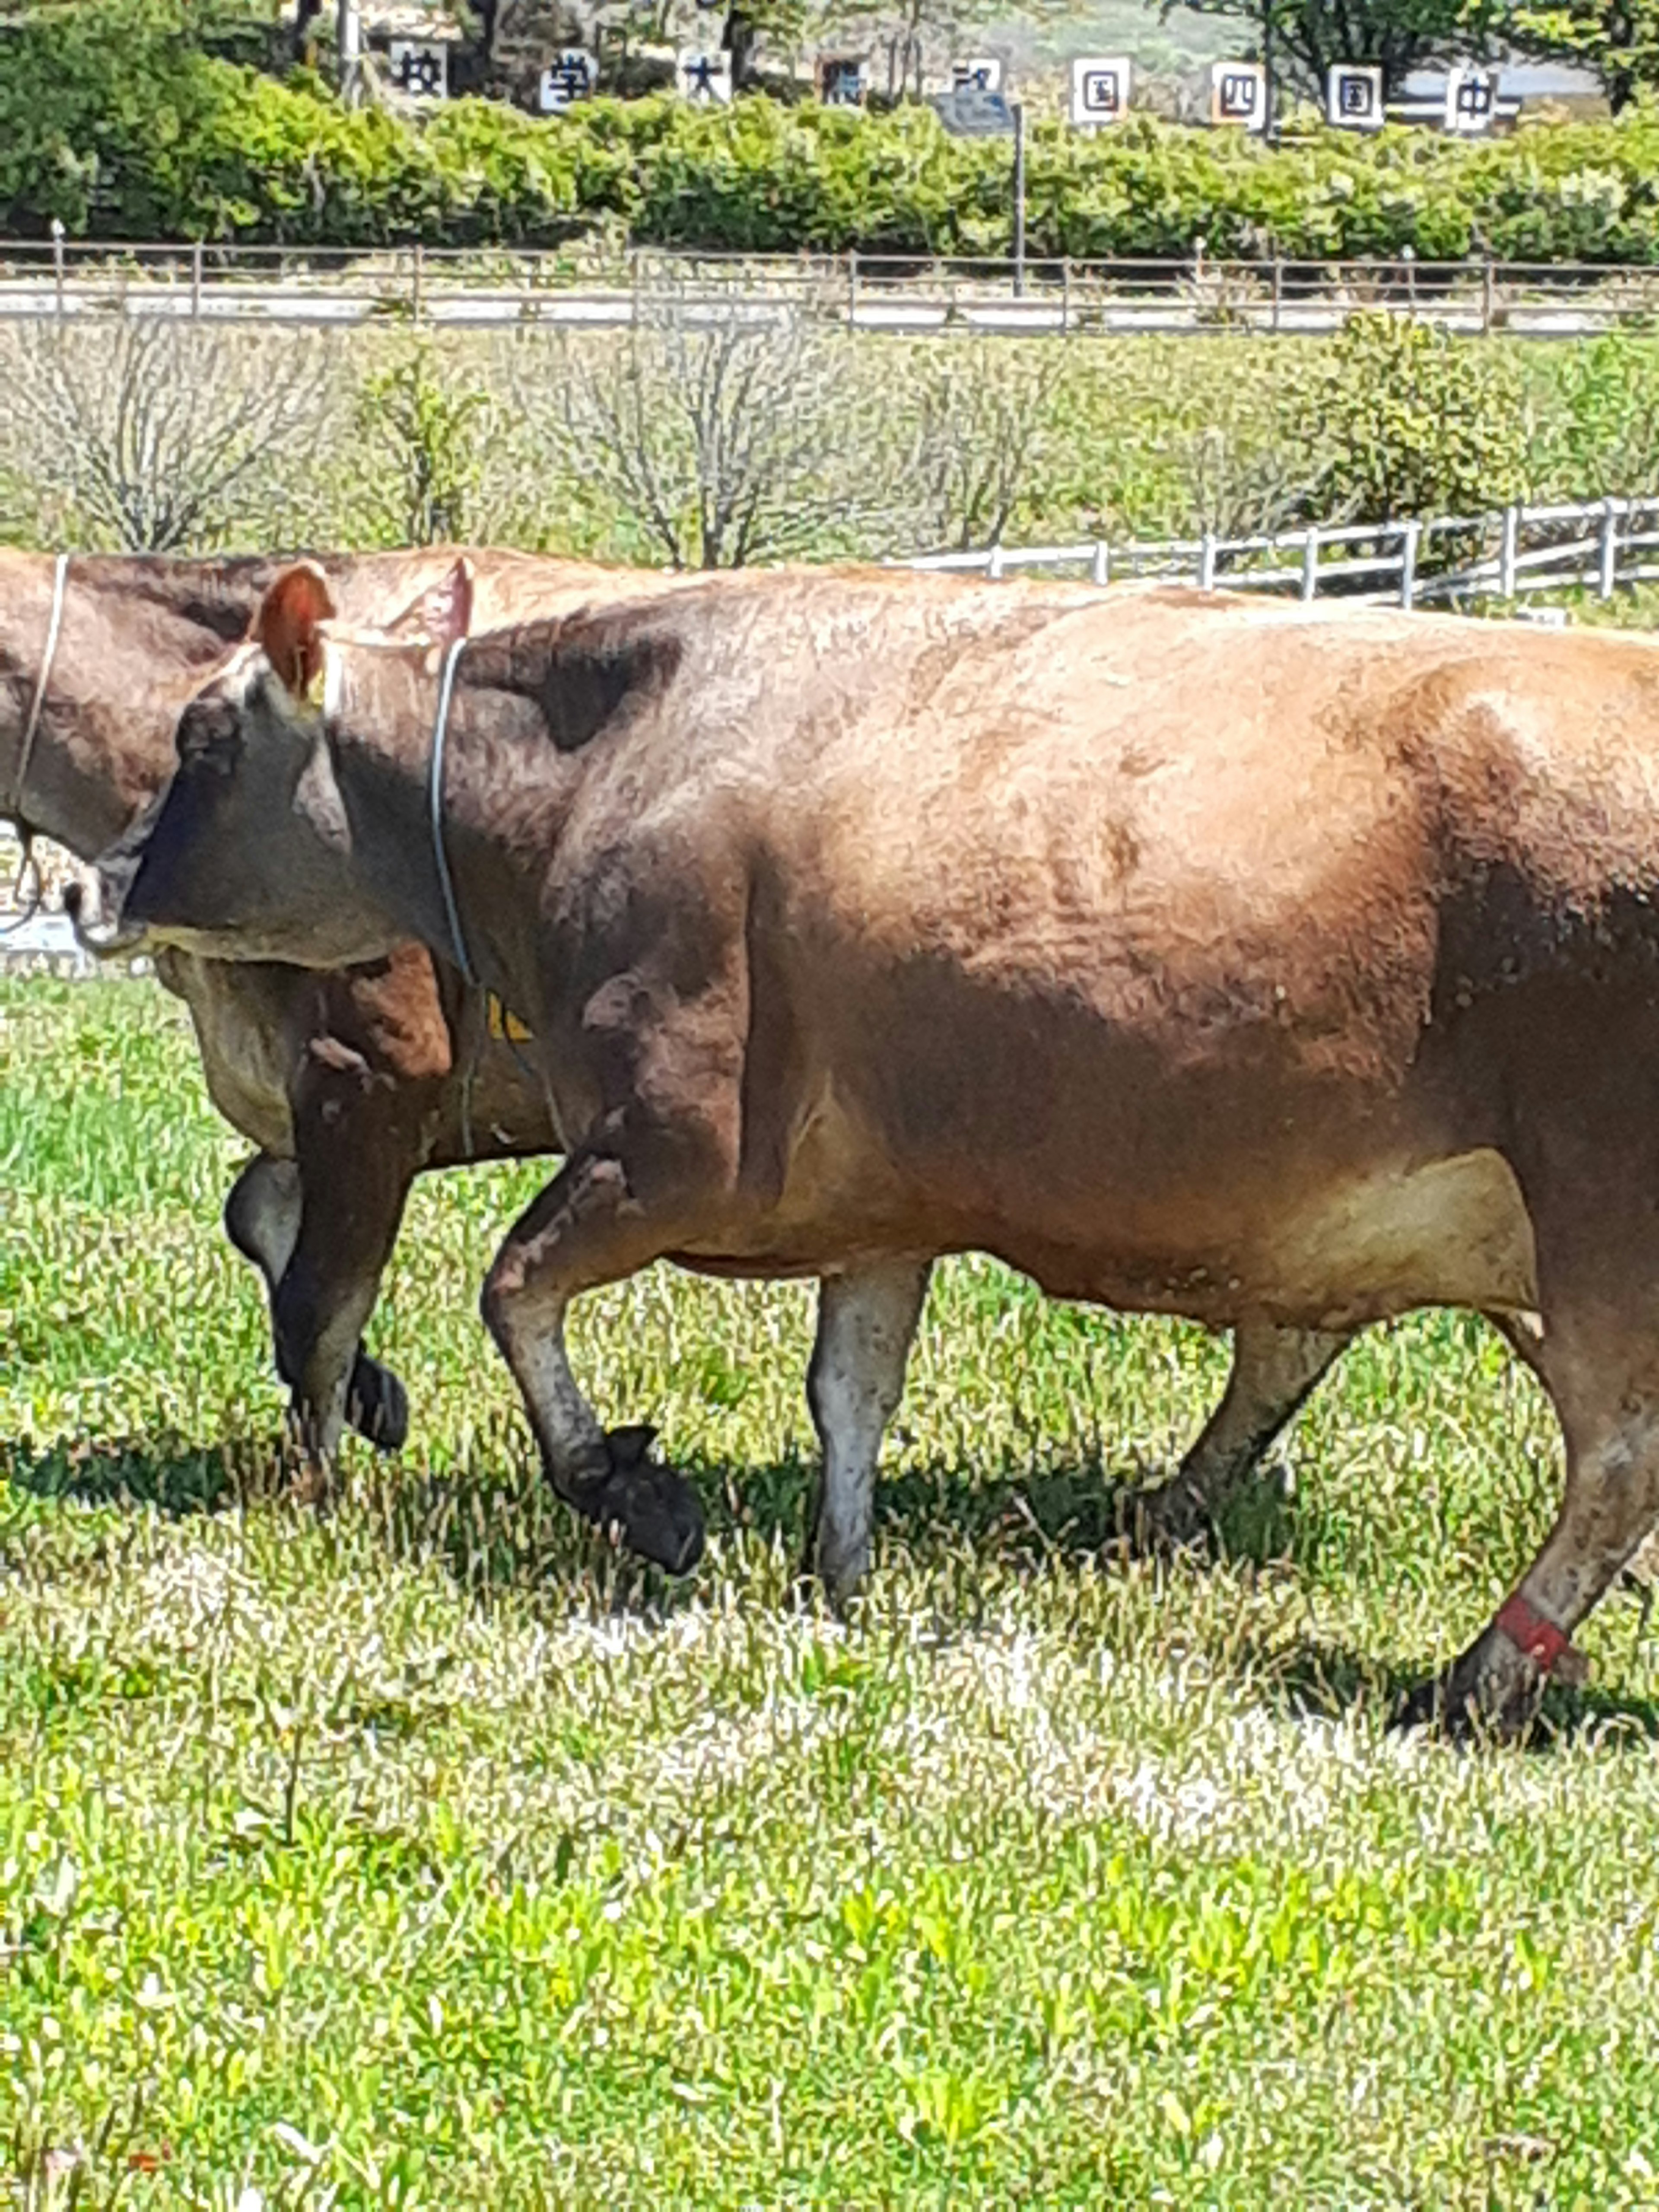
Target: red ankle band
1541	1639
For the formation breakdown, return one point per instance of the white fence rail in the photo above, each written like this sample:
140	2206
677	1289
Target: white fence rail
1449	561
485	286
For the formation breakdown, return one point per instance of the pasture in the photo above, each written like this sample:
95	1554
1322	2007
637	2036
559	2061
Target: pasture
428	1853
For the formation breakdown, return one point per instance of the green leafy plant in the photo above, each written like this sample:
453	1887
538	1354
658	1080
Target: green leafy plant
420	439
1398	418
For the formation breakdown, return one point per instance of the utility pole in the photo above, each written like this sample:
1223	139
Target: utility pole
1016	108
348	36
1269	121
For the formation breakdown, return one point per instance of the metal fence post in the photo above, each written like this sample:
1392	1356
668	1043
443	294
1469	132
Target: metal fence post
993	565
1487	289
1608	562
1410	538
196	281
416	275
1065	295
1101	573
1278	290
852	286
58	265
1206	562
1310	560
1506	551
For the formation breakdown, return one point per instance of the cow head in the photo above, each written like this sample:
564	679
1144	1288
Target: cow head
250	852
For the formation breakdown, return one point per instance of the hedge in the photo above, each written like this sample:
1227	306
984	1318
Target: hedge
143	136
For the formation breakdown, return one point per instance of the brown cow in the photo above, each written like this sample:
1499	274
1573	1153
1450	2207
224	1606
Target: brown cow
352	1083
1188	953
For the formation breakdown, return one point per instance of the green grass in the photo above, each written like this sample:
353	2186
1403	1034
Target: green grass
429	1854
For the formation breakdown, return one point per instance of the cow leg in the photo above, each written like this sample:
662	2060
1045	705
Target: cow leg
589	1228
1274	1372
866	1320
1603	1376
264	1215
360	1139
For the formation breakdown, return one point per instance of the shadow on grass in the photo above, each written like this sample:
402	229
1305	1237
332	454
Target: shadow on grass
1307	1678
495	1525
174	1477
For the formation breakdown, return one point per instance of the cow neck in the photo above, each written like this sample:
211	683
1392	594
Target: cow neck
416	814
90	746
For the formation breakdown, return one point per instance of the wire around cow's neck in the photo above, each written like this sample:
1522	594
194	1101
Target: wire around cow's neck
435	797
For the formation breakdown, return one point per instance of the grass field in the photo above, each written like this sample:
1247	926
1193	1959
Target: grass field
427	1854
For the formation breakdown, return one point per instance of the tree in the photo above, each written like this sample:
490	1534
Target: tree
1618	39
728	438
1307	36
422	439
151	431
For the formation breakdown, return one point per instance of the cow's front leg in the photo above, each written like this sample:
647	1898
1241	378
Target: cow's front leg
1274	1372
264	1213
1604	1377
868	1317
360	1134
591	1226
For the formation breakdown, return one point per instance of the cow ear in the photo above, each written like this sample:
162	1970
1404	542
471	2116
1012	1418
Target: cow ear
442	613
288	626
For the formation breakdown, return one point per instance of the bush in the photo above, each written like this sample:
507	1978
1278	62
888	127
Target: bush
1399	419
115	120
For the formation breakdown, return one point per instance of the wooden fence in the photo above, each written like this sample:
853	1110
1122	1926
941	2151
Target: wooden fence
1451	561
587	284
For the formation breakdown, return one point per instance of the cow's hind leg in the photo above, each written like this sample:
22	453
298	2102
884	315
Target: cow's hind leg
1274	1372
866	1320
588	1228
1602	1372
263	1214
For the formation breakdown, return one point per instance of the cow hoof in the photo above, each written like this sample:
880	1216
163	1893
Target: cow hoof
1173	1516
377	1405
1490	1695
656	1512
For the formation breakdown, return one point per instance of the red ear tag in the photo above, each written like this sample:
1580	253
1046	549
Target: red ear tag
1543	1642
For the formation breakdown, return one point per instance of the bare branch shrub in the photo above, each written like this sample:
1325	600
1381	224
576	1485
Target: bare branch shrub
726	435
983	415
157	436
1240	490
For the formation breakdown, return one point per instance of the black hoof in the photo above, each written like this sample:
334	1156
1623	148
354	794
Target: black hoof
1171	1517
377	1405
655	1512
1491	1695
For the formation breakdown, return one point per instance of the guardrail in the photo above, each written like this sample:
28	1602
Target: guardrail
1446	560
485	286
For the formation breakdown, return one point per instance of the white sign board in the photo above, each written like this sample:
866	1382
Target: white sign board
1471	99
979	73
1100	88
571	75
702	78
420	68
1239	95
1353	97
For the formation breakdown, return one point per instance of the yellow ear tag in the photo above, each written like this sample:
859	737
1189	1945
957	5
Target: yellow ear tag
504	1024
